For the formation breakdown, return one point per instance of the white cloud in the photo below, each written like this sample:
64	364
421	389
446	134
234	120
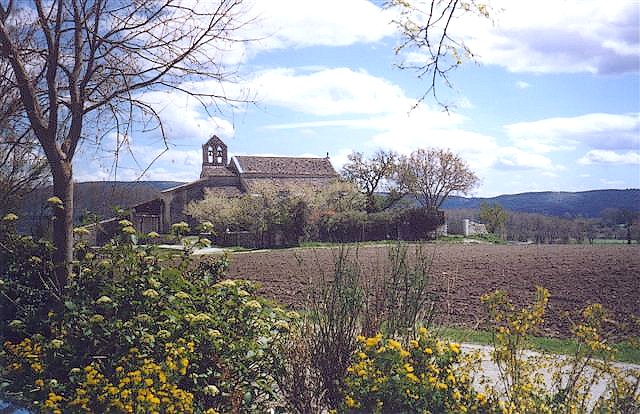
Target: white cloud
294	23
289	24
184	117
336	91
256	26
611	158
545	36
597	131
557	37
509	158
522	85
382	108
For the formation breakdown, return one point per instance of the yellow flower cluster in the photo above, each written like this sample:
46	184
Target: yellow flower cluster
26	353
350	402
52	403
176	359
422	376
149	388
523	388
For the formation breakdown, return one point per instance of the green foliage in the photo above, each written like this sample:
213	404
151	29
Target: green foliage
344	303
495	217
401	224
398	295
342	227
295	211
134	333
130	333
27	285
336	304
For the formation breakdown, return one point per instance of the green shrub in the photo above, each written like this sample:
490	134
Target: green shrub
397	292
130	333
134	333
27	287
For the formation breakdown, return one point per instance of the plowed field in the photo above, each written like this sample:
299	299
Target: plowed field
575	275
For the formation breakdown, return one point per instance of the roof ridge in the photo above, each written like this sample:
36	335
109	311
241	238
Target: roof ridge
280	156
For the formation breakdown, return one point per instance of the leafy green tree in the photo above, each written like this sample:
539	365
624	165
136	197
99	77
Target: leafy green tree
494	217
290	208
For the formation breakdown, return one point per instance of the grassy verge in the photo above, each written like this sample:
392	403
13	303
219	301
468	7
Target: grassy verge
626	351
487	238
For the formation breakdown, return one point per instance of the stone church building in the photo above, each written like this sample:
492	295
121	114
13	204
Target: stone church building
228	178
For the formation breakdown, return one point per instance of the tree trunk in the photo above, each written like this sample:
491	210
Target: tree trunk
63	221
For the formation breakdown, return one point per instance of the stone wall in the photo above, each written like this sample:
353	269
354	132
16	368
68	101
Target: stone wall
471	228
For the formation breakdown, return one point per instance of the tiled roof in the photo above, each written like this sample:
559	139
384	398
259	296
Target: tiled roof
285	166
317	183
216	171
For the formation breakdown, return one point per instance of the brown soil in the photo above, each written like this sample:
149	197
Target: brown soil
574	275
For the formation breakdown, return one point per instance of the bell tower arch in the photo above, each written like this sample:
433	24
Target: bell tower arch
214	153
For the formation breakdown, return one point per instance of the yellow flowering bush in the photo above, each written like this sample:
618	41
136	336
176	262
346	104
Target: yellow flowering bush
522	387
427	375
138	385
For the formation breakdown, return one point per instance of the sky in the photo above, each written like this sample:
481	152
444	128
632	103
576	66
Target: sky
551	102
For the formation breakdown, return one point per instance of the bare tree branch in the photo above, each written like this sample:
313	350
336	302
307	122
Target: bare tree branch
426	28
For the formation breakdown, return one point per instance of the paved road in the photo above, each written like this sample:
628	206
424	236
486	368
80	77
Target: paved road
490	370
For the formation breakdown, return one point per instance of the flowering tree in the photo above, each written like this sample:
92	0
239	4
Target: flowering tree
74	62
431	175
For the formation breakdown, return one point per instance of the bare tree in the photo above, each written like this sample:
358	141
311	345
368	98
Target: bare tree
369	174
431	175
22	170
76	62
22	166
426	28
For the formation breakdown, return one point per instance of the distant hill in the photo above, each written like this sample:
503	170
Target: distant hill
551	203
97	197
